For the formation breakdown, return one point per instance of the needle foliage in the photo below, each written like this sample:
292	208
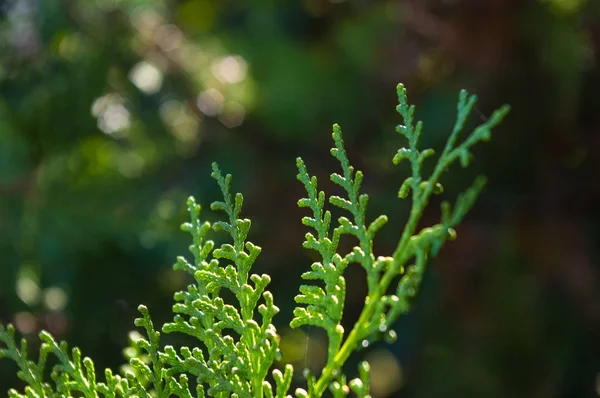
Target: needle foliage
237	350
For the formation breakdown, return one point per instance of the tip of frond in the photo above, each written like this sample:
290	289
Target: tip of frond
216	173
337	132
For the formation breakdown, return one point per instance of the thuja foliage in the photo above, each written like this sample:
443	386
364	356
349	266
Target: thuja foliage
237	351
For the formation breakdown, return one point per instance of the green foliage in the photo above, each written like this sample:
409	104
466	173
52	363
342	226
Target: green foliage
382	309
238	343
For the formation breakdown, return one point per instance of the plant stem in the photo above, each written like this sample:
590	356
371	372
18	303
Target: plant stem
366	314
353	338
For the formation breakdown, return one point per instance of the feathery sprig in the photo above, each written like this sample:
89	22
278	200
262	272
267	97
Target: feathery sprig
240	350
382	308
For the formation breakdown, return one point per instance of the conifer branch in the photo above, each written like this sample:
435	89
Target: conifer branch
238	343
381	308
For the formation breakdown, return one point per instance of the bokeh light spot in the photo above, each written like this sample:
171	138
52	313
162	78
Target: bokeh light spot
166	209
182	122
169	37
230	70
25	322
147	77
27	290
113	117
386	373
210	102
55	299
233	115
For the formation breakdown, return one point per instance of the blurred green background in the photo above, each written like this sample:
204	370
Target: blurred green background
111	112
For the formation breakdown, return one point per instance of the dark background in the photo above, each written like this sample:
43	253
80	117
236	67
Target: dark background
111	112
